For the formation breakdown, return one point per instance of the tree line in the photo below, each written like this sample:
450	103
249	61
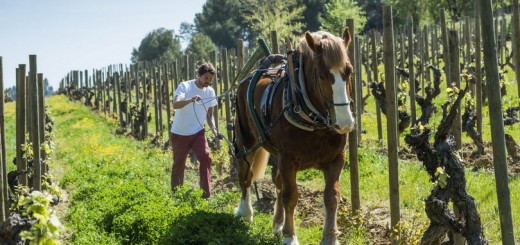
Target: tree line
222	22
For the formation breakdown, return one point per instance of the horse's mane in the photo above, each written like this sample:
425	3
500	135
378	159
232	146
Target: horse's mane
333	49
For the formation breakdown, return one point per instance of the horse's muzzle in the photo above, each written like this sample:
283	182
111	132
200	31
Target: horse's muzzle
343	130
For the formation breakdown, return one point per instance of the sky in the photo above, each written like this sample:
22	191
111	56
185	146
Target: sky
68	35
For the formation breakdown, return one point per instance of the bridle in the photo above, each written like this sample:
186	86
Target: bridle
327	103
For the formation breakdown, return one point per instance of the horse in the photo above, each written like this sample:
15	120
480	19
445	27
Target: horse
305	117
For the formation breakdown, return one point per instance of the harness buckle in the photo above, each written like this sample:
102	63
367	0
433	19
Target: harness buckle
297	109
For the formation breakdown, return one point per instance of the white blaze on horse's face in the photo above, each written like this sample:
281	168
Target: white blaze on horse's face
344	118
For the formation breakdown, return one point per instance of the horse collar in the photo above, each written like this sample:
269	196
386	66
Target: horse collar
301	113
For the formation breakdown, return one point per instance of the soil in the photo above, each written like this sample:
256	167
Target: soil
375	221
310	208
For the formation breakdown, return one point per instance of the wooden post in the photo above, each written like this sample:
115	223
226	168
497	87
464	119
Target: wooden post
41	120
411	70
391	116
478	67
353	138
156	106
35	130
21	121
376	80
274	43
4	197
455	82
168	101
144	130
516	42
225	80
497	123
445	48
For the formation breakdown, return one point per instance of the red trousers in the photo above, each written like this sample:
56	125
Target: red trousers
181	146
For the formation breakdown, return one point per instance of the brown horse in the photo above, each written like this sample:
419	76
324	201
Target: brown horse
306	127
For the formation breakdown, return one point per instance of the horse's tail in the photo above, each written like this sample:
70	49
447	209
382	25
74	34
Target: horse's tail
259	163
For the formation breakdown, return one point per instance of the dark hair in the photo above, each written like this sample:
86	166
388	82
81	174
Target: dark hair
207	67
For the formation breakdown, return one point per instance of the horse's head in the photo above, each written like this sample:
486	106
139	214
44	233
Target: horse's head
328	67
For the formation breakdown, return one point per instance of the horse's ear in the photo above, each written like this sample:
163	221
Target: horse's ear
346	36
313	43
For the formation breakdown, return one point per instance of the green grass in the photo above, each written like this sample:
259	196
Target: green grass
119	188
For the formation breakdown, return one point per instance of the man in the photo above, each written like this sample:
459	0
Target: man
193	102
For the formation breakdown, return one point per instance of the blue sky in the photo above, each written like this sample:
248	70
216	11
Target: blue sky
71	35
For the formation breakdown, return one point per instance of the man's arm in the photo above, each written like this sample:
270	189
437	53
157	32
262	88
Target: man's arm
180	102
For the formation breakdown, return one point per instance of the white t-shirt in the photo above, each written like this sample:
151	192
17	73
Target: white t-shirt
190	119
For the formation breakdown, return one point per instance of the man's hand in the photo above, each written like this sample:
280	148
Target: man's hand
195	98
219	136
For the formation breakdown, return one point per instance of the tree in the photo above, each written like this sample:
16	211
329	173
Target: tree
47	90
264	16
220	20
187	31
336	12
311	15
160	44
200	46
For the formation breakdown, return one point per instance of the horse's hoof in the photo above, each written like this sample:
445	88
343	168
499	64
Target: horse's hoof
290	240
277	229
240	212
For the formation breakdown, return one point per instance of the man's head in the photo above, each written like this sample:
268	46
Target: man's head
205	75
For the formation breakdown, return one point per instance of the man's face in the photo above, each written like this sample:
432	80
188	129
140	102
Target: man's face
205	79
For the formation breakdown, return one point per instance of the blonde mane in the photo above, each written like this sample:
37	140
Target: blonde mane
334	53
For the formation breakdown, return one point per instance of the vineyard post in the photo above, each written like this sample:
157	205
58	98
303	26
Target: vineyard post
478	67
426	47
167	103
213	60
137	102
358	87
274	42
454	81
21	121
103	91
497	123
191	67
35	130
240	56
376	80
41	121
128	86
186	65
144	109
435	47
118	87
4	204
353	138
113	82
86	84
161	80
156	105
225	81
391	116
419	54
411	70
503	38
368	69
516	42
97	81
445	48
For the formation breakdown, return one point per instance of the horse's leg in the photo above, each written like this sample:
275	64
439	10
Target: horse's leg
278	208
245	209
331	200
289	199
